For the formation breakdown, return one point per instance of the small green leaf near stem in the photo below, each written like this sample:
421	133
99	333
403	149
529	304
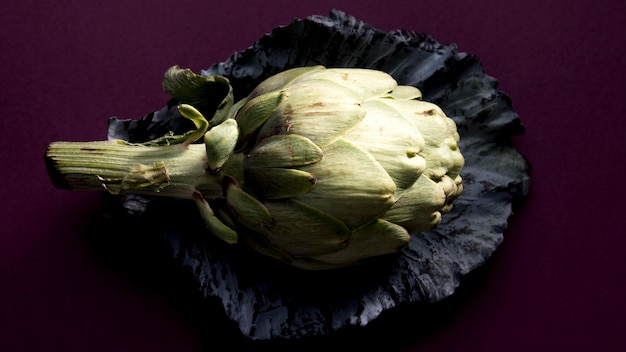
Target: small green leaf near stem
191	113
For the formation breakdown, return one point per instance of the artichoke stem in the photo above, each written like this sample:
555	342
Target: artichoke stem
115	167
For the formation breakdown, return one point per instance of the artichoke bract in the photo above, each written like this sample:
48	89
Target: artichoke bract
318	167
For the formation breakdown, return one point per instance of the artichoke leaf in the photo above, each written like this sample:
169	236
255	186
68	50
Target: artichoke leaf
278	183
284	151
392	140
367	84
254	112
321	111
351	185
212	95
260	243
193	114
419	208
220	142
304	231
428	117
186	111
380	237
283	79
441	150
405	93
246	209
217	227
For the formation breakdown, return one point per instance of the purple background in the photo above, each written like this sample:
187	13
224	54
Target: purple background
556	283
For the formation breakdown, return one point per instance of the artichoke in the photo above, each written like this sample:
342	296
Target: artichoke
318	167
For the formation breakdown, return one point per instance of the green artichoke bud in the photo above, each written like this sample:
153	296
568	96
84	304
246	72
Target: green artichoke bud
318	167
345	163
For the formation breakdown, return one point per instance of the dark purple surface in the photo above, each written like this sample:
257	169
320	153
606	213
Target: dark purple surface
556	283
